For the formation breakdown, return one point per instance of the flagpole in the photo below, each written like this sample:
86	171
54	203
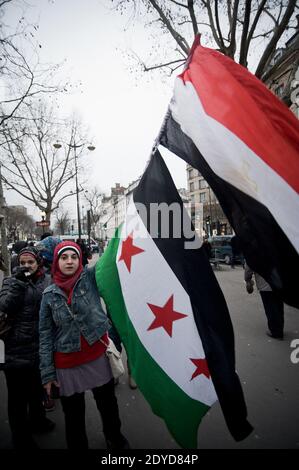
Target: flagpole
162	129
168	112
157	139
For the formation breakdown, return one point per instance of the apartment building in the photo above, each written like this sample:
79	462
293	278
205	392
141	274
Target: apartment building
206	213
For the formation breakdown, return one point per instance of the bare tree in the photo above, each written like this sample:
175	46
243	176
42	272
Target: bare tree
234	27
23	77
94	197
24	80
63	221
32	166
19	224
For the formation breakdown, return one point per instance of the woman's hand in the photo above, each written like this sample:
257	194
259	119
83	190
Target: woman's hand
22	274
48	386
249	286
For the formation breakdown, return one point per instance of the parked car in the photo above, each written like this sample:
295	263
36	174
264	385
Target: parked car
222	250
10	246
94	246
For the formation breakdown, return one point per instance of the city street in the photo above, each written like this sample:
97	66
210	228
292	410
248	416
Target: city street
270	383
106	108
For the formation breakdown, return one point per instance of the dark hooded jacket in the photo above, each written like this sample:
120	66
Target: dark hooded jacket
21	301
17	247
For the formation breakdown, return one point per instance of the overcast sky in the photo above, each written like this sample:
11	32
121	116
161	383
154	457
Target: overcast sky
123	112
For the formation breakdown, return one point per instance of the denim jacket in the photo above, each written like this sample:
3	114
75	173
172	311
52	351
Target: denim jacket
61	325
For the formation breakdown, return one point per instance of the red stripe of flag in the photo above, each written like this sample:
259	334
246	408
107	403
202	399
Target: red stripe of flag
239	101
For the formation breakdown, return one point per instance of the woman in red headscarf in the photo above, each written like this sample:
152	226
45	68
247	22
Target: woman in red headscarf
73	339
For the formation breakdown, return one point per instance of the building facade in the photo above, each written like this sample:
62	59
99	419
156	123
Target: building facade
282	73
206	212
114	208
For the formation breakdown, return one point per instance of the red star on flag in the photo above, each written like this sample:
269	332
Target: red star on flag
201	368
128	250
165	316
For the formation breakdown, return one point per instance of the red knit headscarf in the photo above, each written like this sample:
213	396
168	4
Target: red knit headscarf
66	283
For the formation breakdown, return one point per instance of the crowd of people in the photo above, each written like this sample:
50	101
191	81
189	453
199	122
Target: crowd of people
56	342
57	338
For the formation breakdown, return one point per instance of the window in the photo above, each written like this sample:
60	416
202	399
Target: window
192	173
279	90
277	55
191	187
202	197
202	184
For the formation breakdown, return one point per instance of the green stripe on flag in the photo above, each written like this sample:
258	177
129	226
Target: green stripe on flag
181	413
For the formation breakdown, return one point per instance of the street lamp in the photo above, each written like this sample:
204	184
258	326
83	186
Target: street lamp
83	224
88	216
74	146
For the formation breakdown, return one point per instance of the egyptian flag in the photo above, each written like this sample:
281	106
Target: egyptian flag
171	315
225	123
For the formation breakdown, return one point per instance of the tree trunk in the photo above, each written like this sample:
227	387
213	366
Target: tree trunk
4	248
275	38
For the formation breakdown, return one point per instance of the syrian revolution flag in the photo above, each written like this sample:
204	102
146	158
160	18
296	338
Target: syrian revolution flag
171	315
225	123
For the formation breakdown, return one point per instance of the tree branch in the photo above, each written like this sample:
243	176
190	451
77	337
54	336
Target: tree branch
176	36
232	47
154	67
11	186
252	29
243	55
21	174
222	46
277	34
276	21
192	16
264	35
179	4
229	12
61	199
207	5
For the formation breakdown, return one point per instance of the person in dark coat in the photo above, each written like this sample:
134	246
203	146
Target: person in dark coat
17	247
207	247
46	235
2	264
46	247
273	305
86	253
20	299
236	251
